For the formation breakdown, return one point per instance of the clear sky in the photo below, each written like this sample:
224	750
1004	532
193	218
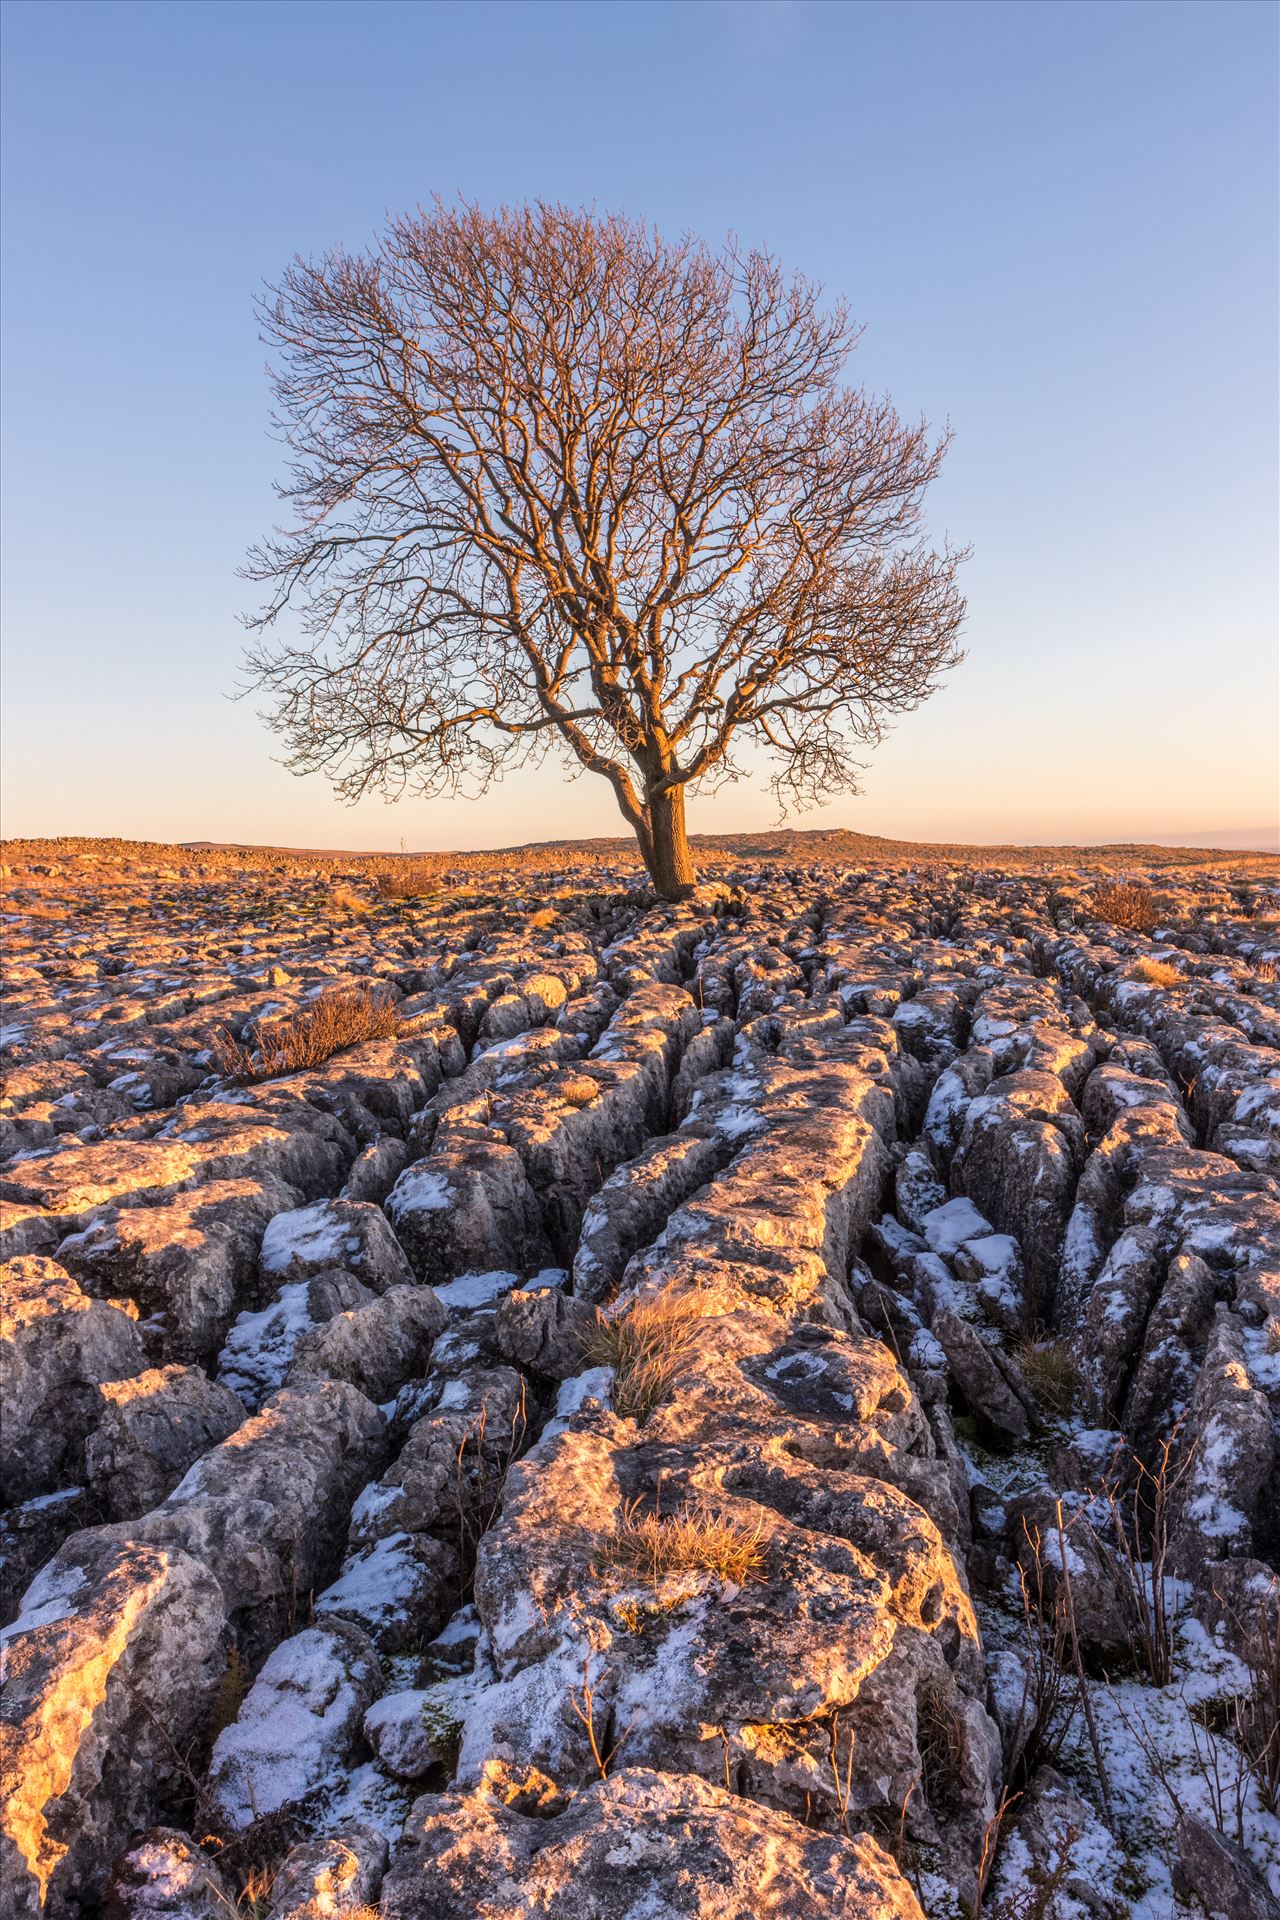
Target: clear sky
1057	222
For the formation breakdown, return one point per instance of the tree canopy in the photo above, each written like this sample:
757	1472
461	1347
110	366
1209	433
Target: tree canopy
557	483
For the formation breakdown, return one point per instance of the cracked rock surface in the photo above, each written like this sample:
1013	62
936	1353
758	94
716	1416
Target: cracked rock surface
765	1406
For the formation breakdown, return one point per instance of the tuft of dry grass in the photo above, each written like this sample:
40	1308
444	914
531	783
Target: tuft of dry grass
696	1538
255	1896
1268	971
940	1740
340	1017
646	1346
580	1091
1155	973
344	900
544	917
1125	904
229	1695
1049	1369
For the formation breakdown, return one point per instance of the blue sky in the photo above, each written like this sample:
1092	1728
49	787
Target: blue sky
1057	222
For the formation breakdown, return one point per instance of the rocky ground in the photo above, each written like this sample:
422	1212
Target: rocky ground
761	1407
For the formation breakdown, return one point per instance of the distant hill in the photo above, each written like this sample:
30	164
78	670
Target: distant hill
836	845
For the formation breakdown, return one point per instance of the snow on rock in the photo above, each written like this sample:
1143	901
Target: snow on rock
948	1227
349	1234
299	1726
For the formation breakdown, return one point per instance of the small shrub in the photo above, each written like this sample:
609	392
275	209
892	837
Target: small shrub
1155	973
646	1346
408	879
340	1017
1137	1519
1125	904
696	1538
1049	1369
1254	1718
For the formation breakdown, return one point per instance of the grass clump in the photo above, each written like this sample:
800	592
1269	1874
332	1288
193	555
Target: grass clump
346	901
338	1018
1126	904
940	1740
1155	973
580	1091
230	1694
1049	1369
696	1538
646	1347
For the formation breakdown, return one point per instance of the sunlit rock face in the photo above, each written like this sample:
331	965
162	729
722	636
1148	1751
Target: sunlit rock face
109	1672
682	1423
642	1841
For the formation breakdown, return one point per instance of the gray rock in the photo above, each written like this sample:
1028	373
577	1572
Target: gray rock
1018	1156
468	1208
191	1261
406	1733
635	1203
544	1330
377	1347
261	1346
979	1375
917	1189
1114	1315
166	1875
1228	1491
376	1169
1215	1871
638	1842
151	1429
31	1533
333	1875
298	1727
1173	1343
398	1590
350	1234
264	1510
110	1672
56	1347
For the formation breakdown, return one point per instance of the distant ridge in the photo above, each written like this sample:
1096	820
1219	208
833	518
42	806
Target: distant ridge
839	843
821	844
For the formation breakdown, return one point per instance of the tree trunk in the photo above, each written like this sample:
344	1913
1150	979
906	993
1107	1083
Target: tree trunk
667	853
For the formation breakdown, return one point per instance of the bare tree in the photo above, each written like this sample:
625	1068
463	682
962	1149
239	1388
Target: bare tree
558	482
